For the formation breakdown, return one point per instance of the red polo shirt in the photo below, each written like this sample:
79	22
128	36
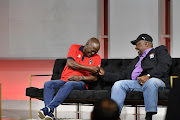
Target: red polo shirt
76	53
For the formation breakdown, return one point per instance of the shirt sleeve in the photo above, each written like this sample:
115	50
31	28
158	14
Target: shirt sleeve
72	54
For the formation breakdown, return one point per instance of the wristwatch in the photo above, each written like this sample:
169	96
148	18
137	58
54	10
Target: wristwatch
82	77
149	75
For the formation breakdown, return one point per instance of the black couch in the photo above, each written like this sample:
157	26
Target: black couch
100	89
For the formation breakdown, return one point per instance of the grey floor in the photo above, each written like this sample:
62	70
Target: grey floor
19	110
24	115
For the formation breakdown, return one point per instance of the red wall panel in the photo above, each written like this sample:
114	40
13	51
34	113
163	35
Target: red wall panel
14	76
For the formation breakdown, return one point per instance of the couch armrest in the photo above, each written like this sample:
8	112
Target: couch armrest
35	76
171	80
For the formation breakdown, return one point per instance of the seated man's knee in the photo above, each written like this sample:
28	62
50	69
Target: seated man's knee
154	82
118	85
47	83
70	84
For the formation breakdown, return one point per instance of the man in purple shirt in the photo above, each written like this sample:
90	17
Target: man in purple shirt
138	69
147	73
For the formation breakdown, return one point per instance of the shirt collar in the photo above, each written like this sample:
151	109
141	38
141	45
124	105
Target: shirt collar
81	49
145	52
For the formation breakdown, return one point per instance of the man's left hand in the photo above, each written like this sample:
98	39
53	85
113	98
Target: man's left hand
74	78
143	79
101	72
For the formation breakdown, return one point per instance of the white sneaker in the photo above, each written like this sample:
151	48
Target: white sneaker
41	114
50	116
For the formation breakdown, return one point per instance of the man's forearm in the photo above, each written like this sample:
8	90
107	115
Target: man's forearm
74	65
89	78
83	78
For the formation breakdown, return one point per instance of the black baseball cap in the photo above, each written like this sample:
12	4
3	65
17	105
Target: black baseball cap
145	37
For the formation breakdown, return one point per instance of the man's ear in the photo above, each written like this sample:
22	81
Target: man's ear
147	44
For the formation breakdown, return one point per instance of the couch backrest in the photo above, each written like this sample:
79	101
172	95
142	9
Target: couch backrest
111	65
58	68
175	68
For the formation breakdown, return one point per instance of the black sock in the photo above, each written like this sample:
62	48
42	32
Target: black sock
149	114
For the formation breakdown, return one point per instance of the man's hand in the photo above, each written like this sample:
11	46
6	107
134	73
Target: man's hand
94	69
74	78
143	79
101	72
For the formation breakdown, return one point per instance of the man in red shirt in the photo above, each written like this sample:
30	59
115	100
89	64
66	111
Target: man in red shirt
83	64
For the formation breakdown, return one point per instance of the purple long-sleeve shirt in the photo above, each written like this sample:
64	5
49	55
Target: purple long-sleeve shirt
138	69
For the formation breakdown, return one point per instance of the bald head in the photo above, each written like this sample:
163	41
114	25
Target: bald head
105	110
92	47
94	42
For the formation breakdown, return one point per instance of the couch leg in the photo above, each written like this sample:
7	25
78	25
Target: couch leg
30	115
137	113
78	111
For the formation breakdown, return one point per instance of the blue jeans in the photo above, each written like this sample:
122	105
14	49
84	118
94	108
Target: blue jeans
149	88
64	89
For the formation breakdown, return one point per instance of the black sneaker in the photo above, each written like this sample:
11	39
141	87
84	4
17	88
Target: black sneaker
50	116
43	112
148	118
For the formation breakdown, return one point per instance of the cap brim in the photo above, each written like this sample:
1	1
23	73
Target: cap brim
134	42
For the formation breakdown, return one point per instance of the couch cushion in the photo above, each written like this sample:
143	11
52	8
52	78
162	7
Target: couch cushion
89	94
163	95
34	92
95	94
75	94
135	95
